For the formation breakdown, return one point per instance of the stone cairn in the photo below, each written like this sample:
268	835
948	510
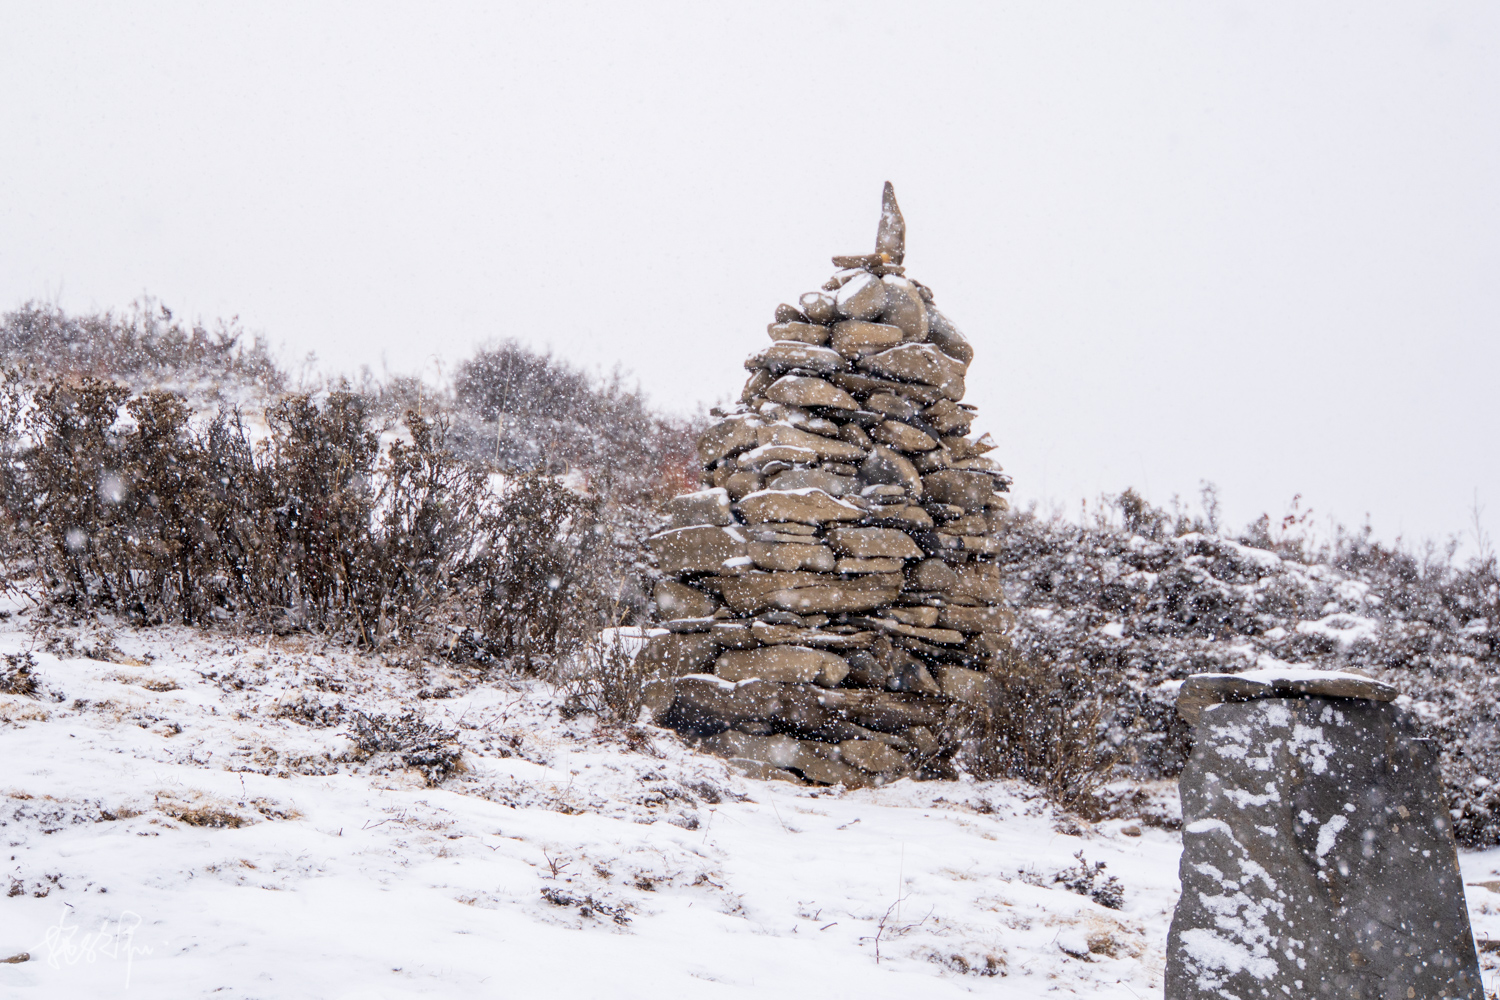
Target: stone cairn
1317	855
829	608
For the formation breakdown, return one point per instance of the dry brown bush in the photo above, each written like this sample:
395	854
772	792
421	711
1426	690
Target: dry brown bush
316	529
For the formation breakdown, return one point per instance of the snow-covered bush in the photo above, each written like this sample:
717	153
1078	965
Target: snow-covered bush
527	411
317	528
1137	598
143	347
1042	725
406	741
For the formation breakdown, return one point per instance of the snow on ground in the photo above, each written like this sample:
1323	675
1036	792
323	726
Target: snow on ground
180	816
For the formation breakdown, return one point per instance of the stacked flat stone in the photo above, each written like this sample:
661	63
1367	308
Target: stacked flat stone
828	600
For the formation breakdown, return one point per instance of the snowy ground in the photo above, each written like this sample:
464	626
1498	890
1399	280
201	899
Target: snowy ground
565	861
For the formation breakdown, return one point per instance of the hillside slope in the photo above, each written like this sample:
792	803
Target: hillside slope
185	793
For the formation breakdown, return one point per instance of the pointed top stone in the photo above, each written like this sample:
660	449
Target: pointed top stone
890	238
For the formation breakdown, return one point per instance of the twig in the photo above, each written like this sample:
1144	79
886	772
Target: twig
902	929
557	869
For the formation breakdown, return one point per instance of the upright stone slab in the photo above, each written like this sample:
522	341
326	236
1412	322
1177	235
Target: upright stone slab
1318	859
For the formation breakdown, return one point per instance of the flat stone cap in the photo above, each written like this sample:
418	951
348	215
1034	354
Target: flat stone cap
1202	690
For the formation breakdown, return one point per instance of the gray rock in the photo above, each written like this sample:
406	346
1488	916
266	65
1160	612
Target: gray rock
893	406
802	333
789	314
904	308
734	635
975	580
790	556
873	543
707	704
727	437
962	684
976	619
882	564
801	479
919	363
855	435
844	595
933	460
797	390
830	772
962	447
777	751
946	336
827	448
657	696
755	385
678	600
948	417
703	507
910	515
785	355
696	550
912	677
785	664
809	593
810	506
861	297
903	436
747	768
771	459
854	338
819	307
1318	859
782	531
674	655
888	467
864	384
1202	690
782	634
872	756
881	710
867	671
969	490
742	484
921	617
890	235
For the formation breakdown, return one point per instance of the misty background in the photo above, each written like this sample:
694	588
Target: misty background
1252	244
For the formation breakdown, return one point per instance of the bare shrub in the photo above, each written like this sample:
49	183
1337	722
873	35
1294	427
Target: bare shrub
144	346
16	676
527	411
544	572
602	679
412	740
1043	725
1090	880
315	529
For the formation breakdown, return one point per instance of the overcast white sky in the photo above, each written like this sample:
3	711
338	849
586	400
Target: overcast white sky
1257	244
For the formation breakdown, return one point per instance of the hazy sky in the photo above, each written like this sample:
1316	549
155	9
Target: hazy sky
1257	244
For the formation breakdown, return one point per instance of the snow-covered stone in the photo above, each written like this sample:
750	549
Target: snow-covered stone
1318	856
861	297
856	338
795	390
